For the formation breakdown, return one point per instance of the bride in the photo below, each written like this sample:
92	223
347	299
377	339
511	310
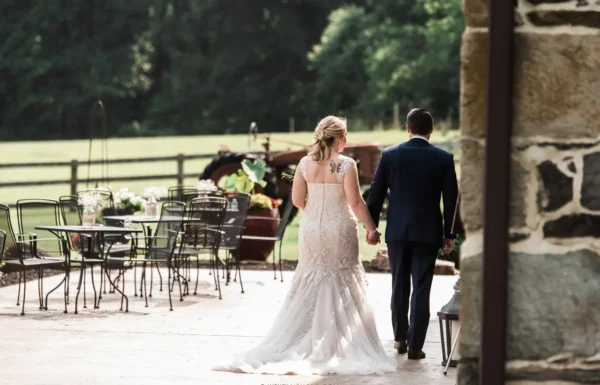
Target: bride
325	325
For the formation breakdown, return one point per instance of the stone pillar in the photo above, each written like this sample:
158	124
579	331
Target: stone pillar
554	273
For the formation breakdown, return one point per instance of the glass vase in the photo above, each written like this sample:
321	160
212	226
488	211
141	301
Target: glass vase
151	207
88	217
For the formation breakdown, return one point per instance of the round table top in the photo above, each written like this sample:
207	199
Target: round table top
90	229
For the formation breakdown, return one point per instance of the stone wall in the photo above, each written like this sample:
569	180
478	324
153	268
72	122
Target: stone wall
554	273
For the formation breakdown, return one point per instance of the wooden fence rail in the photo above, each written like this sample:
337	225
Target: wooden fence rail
75	165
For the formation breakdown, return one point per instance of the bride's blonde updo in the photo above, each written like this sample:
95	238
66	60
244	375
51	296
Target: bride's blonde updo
328	130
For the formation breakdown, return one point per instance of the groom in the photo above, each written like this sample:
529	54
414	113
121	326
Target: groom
417	175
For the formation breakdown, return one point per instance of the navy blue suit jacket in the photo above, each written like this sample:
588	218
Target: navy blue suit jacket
418	176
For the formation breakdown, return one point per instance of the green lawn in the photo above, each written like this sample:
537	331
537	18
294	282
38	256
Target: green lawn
64	151
61	151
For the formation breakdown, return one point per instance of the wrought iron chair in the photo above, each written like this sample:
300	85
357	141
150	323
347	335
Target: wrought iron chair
279	234
118	247
234	225
163	243
36	250
176	193
202	235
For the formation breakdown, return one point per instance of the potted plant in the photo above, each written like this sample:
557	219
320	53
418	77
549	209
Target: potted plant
127	203
263	215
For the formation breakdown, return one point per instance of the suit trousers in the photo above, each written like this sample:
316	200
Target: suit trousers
414	260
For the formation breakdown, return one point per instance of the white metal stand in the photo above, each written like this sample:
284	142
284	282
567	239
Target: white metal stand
452	351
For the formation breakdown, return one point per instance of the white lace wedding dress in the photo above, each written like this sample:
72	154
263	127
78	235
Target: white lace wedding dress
325	325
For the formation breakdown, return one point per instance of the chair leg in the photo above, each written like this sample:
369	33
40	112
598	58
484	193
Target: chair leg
213	267
96	301
170	300
135	279
81	277
143	282
218	278
159	276
197	275
40	295
151	278
274	268
83	267
239	272
64	280
104	281
280	265
24	292
19	294
66	293
68	288
123	290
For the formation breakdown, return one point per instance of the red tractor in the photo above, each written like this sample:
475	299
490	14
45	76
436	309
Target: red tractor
366	155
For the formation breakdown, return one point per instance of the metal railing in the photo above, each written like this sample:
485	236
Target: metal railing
74	165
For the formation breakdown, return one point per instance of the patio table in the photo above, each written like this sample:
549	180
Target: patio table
95	231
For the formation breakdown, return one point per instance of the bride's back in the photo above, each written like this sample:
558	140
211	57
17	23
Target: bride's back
326	171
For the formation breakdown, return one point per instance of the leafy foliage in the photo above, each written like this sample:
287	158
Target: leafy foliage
190	67
245	181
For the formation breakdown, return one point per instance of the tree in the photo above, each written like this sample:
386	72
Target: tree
390	51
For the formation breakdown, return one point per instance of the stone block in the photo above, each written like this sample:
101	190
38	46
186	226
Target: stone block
476	13
573	226
554	18
590	188
538	2
472	165
471	184
557	87
470	307
473	83
557	187
554	305
468	372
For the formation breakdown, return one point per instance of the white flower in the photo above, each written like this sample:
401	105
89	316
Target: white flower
155	192
206	185
89	199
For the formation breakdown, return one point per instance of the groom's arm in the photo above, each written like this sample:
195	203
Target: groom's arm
378	190
450	197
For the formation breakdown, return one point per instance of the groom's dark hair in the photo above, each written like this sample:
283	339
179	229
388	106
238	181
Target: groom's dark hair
419	121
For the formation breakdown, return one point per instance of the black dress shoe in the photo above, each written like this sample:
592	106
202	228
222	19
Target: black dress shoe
401	347
415	354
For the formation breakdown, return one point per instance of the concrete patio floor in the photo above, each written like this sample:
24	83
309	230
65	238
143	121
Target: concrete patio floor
155	346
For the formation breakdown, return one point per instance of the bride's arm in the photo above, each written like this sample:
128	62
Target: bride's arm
355	199
299	190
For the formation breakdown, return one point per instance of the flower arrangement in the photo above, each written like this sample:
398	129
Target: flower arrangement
90	200
206	185
129	201
155	192
245	180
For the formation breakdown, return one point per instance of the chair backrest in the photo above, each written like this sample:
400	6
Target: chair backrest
11	249
40	211
176	193
2	243
71	211
234	223
189	196
107	203
205	221
285	218
167	231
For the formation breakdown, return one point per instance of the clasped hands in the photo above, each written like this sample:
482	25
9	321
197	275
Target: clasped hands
373	237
